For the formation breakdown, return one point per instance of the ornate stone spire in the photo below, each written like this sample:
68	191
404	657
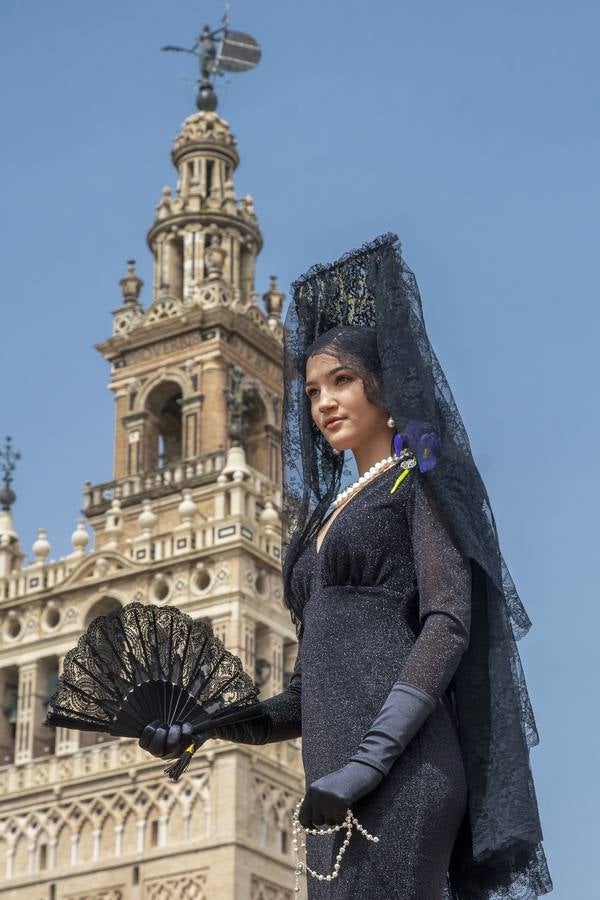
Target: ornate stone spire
172	360
204	240
11	555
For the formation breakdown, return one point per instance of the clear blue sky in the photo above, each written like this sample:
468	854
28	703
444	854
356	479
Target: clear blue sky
473	130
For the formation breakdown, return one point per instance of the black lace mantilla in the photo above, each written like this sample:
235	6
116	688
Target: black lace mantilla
498	854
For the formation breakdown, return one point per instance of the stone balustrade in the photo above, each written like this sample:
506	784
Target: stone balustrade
236	520
113	756
98	497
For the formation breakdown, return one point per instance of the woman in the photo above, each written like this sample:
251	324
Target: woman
407	688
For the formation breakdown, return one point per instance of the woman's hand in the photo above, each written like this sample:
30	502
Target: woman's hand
328	798
168	741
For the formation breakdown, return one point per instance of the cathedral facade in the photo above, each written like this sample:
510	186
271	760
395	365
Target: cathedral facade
190	518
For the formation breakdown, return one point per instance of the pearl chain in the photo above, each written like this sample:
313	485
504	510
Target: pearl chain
348	823
369	474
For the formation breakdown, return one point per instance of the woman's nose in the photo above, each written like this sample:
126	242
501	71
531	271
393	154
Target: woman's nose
326	401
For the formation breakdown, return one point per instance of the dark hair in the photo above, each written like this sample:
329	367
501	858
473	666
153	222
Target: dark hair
356	348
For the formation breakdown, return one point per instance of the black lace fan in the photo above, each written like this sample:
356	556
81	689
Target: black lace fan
143	662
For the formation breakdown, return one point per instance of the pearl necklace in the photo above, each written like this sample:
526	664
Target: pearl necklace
368	476
348	823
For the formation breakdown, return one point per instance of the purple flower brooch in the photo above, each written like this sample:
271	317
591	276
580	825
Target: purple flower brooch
416	445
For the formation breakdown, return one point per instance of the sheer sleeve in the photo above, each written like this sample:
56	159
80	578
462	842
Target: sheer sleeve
285	709
282	718
444	585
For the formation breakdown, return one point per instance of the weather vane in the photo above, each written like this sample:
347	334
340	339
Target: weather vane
8	458
218	52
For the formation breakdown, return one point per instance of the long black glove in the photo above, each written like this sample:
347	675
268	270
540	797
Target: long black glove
281	721
401	716
404	711
166	742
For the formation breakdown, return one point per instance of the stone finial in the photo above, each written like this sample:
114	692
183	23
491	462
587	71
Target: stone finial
41	547
248	206
229	197
113	530
268	516
80	538
163	208
131	285
147	519
273	300
187	509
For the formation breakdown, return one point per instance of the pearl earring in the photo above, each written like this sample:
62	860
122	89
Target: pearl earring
391	423
336	452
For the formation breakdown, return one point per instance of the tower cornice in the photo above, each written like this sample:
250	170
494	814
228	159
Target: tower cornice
204	219
199	323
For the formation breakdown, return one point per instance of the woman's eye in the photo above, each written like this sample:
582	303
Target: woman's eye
342	378
312	391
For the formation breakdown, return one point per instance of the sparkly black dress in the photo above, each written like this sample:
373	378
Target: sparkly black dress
387	597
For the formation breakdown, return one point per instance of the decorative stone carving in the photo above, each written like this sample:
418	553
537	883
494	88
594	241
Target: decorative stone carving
214	257
186	886
165	308
261	889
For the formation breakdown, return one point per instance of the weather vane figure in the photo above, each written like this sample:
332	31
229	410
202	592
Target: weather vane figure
218	52
8	460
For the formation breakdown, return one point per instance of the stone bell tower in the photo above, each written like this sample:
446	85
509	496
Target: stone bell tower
172	363
190	518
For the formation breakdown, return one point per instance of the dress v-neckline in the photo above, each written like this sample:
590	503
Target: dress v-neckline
319	547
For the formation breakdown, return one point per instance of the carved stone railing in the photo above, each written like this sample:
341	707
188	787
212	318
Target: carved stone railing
114	756
97	497
239	524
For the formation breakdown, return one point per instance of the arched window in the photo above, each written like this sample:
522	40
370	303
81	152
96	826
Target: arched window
256	442
102	607
164	436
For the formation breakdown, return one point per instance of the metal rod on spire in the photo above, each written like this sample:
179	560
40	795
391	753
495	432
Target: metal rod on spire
9	458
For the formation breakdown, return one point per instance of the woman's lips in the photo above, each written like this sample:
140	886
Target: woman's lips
333	423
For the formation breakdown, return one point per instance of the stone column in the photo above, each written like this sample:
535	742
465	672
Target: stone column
137	434
7	697
141	826
74	849
162	831
235	264
10	859
270	647
191	411
276	685
119	839
27	709
30	857
96	834
189	273
67	739
248	644
214	416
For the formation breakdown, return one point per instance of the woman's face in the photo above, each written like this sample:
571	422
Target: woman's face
339	405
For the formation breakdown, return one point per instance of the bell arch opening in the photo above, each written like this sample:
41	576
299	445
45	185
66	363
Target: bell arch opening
165	427
261	443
